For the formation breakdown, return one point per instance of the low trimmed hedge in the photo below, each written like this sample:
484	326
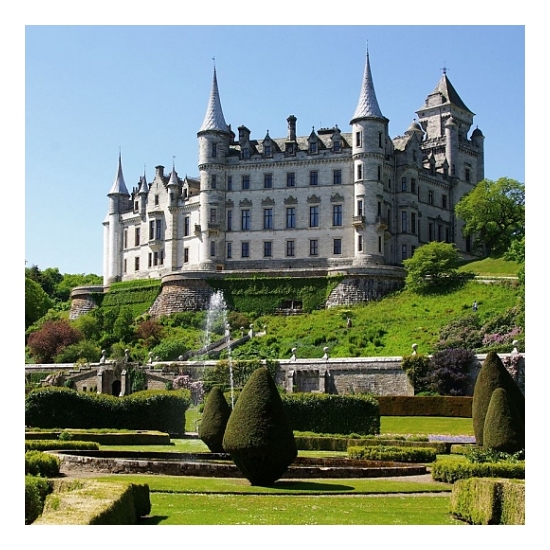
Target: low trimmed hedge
450	471
93	502
393	454
103	437
432	405
485	501
56	445
36	491
41	464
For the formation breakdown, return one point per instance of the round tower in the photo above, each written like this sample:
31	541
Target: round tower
214	140
369	133
113	232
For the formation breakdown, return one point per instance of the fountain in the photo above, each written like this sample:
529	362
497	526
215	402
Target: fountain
216	323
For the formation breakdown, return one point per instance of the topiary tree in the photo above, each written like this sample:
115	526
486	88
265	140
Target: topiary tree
493	375
258	436
503	430
214	420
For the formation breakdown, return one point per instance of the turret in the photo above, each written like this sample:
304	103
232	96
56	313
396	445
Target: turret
214	140
369	132
113	233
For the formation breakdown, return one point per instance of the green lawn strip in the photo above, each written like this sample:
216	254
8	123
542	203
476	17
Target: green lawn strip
219	509
227	486
424	425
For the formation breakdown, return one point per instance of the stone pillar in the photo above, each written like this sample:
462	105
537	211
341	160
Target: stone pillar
290	381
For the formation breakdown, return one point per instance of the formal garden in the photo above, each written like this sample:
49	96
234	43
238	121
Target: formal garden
154	458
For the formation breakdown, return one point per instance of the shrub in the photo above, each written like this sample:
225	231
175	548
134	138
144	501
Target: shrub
449	373
393	454
258	436
51	339
503	429
417	368
449	472
41	464
36	490
214	420
494	375
54	444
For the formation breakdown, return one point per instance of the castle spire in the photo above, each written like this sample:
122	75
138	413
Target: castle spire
367	107
214	119
119	186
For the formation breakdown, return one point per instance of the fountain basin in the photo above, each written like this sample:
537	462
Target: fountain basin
221	465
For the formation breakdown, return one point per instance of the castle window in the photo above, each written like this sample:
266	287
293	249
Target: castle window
337	177
430	197
413	185
125	265
213	215
229	250
290	148
403	251
404	220
290	249
245	182
358	139
230	220
186	255
245	249
359	171
389	183
313	216
444	201
360	207
245	220
156	200
230	183
337	215
291	218
214	150
125	237
313	177
246	153
136	206
359	243
213	181
212	248
136	263
267	150
430	231
313	148
186	226
447	235
268	181
136	236
413	222
379	209
467	175
149	259
158	230
337	246
336	146
380	139
291	179
268	218
313	247
268	249
379	244
151	230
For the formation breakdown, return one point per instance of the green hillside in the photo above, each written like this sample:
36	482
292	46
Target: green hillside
390	326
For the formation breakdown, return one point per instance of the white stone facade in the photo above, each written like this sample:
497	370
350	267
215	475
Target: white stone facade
328	201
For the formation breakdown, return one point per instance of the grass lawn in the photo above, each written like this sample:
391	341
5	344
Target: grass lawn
425	425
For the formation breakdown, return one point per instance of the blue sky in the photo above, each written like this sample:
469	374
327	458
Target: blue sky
91	91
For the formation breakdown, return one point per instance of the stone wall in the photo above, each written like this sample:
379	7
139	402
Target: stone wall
181	294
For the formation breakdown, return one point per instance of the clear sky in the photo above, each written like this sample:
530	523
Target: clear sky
92	91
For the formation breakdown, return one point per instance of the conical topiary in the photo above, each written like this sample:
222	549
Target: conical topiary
503	429
258	436
493	375
214	420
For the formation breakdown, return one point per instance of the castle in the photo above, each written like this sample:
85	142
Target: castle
355	203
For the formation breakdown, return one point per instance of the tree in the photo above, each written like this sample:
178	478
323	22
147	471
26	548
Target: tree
258	435
51	339
214	420
494	214
432	265
503	430
37	302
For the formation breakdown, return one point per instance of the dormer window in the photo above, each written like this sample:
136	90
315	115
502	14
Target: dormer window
337	146
267	150
290	148
246	153
313	148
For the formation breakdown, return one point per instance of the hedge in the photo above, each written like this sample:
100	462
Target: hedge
36	490
393	454
104	437
38	463
326	413
449	472
485	501
54	407
55	445
438	405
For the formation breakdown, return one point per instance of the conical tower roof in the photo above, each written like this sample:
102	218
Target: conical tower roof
214	119
367	107
119	186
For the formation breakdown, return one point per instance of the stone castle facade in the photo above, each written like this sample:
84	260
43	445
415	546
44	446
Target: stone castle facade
354	202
